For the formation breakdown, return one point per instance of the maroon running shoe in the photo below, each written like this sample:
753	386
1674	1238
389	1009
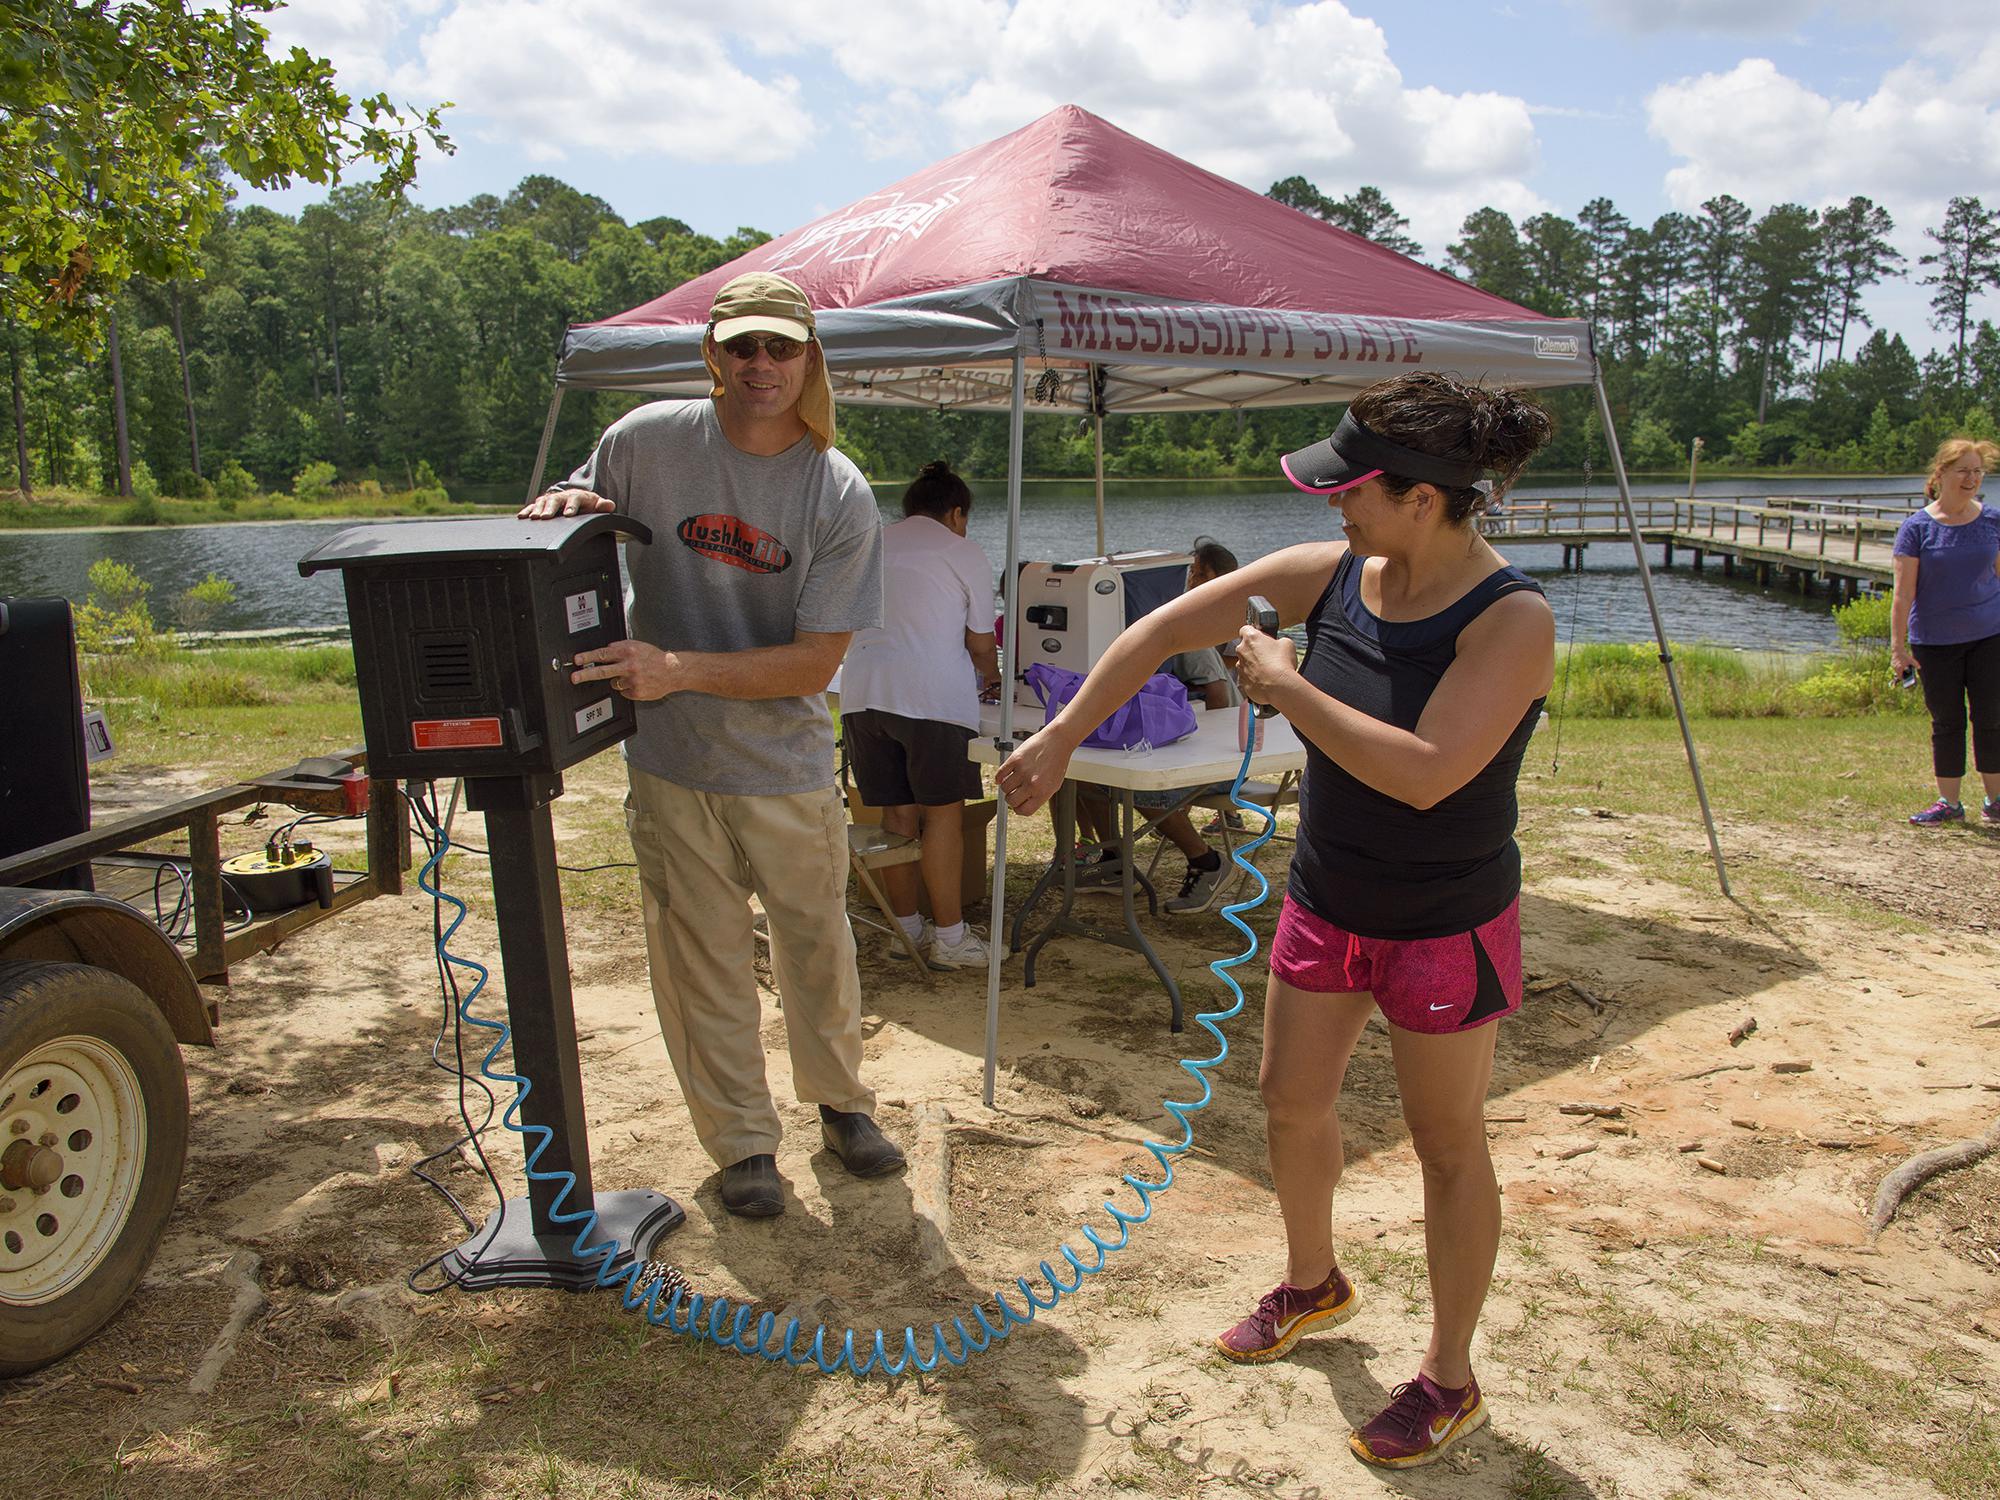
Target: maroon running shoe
1421	1420
1286	1314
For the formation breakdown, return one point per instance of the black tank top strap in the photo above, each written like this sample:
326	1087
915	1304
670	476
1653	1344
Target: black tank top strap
1348	564
1334	585
1502	581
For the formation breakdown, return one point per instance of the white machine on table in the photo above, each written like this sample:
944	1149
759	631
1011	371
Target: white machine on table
1069	613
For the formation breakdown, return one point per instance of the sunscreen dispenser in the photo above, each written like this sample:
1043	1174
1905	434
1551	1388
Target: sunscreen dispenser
1069	613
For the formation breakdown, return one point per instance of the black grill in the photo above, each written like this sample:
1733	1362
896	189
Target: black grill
447	667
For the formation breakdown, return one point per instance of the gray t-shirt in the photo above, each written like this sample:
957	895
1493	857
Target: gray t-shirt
1198	668
746	551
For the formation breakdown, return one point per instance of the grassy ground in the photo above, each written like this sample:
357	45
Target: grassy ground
75	508
1615	681
244	710
241	711
535	1396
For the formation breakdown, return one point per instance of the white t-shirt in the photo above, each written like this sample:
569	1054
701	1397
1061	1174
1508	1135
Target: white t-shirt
936	586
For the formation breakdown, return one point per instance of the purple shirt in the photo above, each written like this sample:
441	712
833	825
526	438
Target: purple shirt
1958	592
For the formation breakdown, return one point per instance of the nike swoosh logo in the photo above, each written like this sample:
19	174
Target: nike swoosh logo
1445	1006
1438	1432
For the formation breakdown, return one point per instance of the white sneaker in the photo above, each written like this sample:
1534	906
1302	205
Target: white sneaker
923	941
969	952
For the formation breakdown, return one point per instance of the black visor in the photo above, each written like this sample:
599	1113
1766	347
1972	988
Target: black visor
1353	455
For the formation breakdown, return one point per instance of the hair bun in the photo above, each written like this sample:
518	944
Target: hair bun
934	468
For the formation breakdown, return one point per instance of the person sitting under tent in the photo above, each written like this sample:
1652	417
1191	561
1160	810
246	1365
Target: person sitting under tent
1207	678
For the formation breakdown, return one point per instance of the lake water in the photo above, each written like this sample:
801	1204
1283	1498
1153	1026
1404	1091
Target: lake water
1058	521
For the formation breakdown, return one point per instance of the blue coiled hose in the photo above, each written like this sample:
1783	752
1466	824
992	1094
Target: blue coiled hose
686	1311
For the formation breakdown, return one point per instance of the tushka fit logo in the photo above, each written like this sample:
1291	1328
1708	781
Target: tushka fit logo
726	539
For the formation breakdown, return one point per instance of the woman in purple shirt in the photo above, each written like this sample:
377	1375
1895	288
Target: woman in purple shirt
1944	621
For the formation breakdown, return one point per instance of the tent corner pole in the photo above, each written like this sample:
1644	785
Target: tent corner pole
996	925
1097	442
1659	629
548	436
1097	422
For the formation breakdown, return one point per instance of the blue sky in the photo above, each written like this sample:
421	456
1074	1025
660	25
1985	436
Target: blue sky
772	112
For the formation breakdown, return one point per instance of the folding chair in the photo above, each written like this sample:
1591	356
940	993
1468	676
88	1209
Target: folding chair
1284	792
871	847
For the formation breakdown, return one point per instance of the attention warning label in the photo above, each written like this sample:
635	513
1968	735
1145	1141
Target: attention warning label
455	734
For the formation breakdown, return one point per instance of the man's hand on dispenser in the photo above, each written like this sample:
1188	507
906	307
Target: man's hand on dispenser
552	505
636	670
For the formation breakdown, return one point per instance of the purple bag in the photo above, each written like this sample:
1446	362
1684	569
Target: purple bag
1158	714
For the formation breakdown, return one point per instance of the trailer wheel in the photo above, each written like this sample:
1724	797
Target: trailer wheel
93	1136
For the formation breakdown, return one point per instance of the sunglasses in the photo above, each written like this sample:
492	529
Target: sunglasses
782	349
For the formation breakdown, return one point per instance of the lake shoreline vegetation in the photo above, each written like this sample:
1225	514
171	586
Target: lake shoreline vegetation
368	349
131	658
314	498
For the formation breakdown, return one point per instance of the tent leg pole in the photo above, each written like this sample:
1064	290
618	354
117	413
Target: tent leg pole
548	436
1097	424
996	909
1659	630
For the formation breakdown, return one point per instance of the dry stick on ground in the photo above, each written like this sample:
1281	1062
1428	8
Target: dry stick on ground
1921	1168
241	1273
1719	1068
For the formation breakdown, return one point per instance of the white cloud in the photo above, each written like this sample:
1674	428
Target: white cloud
922	46
554	77
1935	25
1924	135
1253	91
1745	17
360	36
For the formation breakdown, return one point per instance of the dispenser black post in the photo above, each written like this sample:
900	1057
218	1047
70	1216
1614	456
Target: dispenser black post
463	634
534	962
522	1244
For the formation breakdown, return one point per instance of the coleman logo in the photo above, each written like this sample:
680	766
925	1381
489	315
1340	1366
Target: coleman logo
1557	346
729	540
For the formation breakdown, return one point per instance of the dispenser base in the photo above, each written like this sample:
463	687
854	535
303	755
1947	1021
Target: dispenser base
507	1252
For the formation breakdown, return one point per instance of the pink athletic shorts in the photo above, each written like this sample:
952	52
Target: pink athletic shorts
1422	984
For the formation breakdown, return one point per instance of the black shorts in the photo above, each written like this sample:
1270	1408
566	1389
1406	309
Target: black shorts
898	761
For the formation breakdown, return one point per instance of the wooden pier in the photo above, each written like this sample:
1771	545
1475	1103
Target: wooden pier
1840	543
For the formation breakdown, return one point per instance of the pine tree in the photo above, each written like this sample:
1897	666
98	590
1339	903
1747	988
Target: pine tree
1855	254
1968	263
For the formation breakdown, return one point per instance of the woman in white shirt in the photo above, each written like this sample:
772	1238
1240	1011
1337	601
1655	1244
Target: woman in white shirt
909	704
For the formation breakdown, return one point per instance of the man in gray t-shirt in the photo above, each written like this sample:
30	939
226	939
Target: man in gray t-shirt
766	557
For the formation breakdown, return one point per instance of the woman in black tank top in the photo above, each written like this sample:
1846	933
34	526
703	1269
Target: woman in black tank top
1427	660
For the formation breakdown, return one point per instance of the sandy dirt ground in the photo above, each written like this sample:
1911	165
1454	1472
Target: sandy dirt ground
1687	1300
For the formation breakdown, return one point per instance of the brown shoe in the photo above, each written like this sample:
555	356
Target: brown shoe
861	1147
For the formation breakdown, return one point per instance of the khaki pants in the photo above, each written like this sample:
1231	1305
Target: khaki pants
701	856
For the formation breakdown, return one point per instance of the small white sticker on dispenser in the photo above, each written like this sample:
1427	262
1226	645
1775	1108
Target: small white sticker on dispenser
582	611
591	717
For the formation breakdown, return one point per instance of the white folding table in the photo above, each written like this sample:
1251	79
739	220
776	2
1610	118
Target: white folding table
1208	755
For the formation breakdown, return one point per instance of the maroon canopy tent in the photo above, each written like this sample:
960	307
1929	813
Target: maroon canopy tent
1072	266
1141	281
